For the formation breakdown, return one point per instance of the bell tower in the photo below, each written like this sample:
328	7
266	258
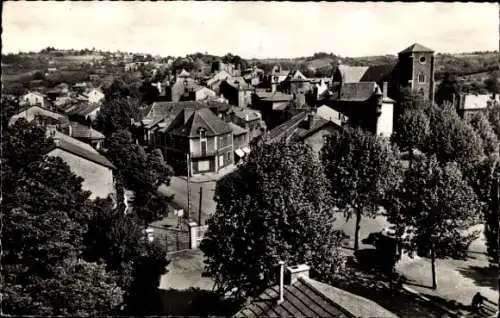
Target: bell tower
417	70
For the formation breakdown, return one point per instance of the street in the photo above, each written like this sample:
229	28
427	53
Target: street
178	188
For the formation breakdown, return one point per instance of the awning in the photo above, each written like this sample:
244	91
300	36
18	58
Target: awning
240	153
246	150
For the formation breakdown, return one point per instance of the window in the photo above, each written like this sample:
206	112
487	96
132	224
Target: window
228	157
221	160
421	78
422	60
203	133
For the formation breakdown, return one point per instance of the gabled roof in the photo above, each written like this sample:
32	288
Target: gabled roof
416	47
31	112
184	73
237	130
351	74
81	131
328	113
309	298
287	128
300	300
82	109
296	75
245	113
239	83
378	73
79	149
358	92
189	122
317	123
274	96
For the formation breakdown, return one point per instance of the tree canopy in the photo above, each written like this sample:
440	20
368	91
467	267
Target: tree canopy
141	172
116	114
435	204
276	207
45	217
361	168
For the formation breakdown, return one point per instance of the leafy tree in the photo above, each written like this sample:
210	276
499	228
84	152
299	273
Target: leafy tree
45	217
452	139
119	240
412	130
482	126
142	173
492	84
447	90
434	206
493	114
116	115
124	86
10	106
361	168
276	207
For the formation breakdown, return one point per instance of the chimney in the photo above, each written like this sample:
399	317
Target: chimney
385	90
294	272
70	131
282	281
246	117
310	120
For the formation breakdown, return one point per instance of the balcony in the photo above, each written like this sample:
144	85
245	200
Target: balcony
201	154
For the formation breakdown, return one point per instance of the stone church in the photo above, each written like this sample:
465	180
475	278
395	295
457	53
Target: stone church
368	95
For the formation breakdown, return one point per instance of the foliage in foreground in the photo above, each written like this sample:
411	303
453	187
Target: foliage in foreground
277	207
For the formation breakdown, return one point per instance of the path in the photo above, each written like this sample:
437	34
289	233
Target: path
457	280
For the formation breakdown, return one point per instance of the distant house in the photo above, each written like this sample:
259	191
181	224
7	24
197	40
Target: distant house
215	81
94	96
32	99
187	89
41	115
309	128
86	134
275	78
237	91
297	295
470	104
249	119
61	90
200	137
160	114
86	162
82	112
331	114
364	103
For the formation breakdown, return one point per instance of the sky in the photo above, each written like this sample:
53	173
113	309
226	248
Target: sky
249	29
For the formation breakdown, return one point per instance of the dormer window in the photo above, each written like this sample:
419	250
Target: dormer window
421	78
203	133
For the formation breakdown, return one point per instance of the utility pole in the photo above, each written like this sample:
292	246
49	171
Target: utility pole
433	263
199	209
188	214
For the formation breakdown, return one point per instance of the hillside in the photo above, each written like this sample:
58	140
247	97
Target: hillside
18	70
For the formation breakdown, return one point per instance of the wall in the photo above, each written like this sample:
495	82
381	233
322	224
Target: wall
204	93
427	70
96	178
385	121
316	141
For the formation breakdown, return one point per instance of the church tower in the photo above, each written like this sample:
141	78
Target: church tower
416	66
